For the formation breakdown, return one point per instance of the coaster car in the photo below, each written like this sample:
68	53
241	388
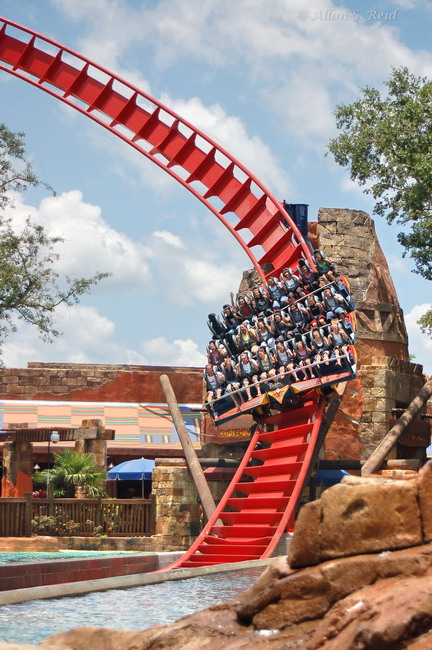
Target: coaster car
281	393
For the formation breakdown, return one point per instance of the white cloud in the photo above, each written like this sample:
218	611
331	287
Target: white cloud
301	65
348	186
89	337
169	238
90	244
117	25
310	117
399	264
410	4
420	344
131	166
185	272
230	132
198	272
111	43
179	352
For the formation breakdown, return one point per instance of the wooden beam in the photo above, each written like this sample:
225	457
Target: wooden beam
193	463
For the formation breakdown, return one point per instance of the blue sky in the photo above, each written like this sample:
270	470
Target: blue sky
262	78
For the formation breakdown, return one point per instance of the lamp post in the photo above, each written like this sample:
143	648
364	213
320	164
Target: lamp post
53	437
2	466
110	486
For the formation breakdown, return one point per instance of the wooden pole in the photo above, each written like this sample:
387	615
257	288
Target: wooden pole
377	457
28	516
193	463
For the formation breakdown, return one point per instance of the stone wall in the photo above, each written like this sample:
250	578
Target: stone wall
177	506
98	383
179	516
386	378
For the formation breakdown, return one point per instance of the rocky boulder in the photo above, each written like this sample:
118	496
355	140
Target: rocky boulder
348	520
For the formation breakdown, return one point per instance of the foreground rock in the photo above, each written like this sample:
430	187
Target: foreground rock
369	586
363	515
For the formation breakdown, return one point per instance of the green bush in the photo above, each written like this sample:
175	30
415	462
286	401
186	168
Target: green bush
56	525
53	525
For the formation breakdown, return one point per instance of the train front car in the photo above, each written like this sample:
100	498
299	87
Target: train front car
275	345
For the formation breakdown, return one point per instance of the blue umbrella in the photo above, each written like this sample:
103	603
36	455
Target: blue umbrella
329	477
132	470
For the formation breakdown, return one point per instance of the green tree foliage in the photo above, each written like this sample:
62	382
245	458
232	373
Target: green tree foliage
30	288
16	174
425	323
386	143
72	470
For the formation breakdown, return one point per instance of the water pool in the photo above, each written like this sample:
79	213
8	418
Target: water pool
44	556
135	608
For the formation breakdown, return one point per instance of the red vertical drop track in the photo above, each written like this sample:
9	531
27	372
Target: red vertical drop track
259	503
272	472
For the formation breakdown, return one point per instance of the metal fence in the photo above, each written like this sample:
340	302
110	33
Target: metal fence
22	517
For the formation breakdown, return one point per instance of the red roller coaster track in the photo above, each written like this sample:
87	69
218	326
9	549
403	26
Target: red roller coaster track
253	523
184	152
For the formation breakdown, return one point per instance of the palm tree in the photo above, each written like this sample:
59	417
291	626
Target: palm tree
74	473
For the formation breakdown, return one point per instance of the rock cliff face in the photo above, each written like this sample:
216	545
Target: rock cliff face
386	378
349	239
358	576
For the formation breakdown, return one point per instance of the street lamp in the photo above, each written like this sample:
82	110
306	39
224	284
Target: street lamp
54	437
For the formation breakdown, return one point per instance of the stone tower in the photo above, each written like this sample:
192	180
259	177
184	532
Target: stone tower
386	379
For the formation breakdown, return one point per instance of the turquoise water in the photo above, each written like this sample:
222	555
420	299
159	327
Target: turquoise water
135	608
31	556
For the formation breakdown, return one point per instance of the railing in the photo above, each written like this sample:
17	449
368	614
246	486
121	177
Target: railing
270	383
15	517
79	517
